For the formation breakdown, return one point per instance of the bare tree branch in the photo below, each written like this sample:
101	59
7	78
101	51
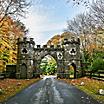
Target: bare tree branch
97	8
12	8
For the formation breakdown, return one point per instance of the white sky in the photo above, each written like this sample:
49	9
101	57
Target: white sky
47	18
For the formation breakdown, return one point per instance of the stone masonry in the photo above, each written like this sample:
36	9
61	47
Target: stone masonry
29	56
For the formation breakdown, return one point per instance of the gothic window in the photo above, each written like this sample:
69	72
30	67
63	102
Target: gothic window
59	55
31	45
31	62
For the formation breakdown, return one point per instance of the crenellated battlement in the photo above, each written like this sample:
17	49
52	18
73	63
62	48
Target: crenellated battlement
71	41
48	47
25	40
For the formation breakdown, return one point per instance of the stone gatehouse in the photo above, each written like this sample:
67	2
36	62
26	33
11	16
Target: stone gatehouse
29	56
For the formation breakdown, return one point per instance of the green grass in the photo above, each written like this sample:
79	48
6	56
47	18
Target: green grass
92	93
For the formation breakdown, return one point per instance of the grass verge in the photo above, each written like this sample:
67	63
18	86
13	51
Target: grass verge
90	86
9	87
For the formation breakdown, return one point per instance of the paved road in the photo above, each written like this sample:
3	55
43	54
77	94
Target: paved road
51	91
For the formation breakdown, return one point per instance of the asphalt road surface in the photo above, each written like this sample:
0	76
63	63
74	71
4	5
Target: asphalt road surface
51	91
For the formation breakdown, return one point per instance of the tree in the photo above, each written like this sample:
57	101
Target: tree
54	40
48	65
12	8
90	31
58	39
11	29
97	9
9	32
97	64
82	25
80	2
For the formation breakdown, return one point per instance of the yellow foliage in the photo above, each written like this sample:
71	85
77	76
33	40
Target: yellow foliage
4	44
1	65
57	39
9	32
71	67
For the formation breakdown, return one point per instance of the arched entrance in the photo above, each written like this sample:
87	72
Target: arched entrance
48	65
73	70
23	70
56	53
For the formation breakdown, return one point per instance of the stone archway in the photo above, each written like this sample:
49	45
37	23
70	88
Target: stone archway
56	53
65	53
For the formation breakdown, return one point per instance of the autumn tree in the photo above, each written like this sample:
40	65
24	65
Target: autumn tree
54	40
90	28
87	30
12	8
9	32
82	25
11	28
58	39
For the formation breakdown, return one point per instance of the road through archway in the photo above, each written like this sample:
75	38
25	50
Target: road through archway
51	91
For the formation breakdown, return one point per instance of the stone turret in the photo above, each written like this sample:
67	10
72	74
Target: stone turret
25	53
72	53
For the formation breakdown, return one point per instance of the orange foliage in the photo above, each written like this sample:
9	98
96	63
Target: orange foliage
54	40
57	39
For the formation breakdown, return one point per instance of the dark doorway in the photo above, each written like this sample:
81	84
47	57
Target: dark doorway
74	66
23	71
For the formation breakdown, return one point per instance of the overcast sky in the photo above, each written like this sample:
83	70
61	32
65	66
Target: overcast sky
47	18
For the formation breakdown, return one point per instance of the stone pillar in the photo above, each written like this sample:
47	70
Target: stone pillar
25	52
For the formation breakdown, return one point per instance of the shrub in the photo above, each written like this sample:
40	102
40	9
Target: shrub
1	91
97	64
